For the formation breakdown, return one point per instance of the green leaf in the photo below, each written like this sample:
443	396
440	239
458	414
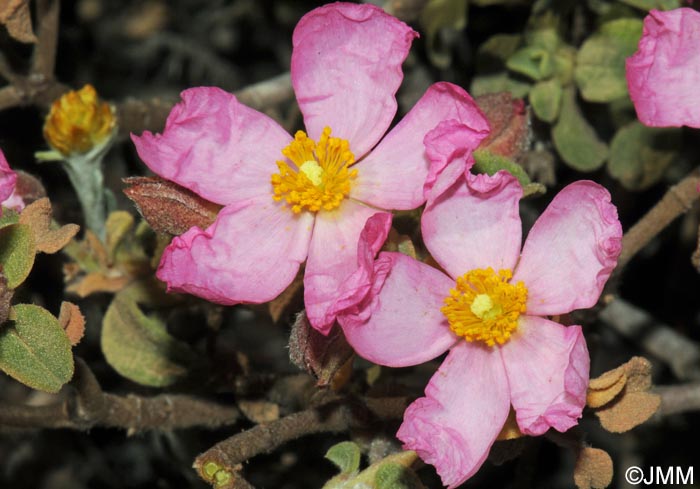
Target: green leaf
600	64
499	82
17	252
396	476
345	455
487	162
139	346
436	16
575	140
532	61
35	350
9	216
545	98
639	155
653	4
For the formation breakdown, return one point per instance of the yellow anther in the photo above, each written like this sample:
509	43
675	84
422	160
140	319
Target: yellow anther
484	306
78	122
322	178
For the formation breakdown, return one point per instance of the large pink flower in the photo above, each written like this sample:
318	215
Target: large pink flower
8	179
664	74
312	203
488	305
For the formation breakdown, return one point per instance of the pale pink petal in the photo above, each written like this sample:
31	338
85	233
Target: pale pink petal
250	254
664	74
466	406
475	224
393	174
216	147
405	325
570	251
346	69
8	178
548	367
332	259
14	202
352	295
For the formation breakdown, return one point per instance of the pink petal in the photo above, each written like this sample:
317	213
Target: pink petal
346	69
393	174
359	288
570	251
404	325
250	254
664	74
332	259
216	147
548	368
475	224
8	178
466	406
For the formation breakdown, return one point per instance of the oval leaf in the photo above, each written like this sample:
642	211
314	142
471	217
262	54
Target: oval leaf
17	251
35	350
545	98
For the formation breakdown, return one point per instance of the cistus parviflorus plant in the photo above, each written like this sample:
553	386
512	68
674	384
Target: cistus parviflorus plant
348	270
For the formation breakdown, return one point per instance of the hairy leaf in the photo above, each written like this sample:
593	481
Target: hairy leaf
17	252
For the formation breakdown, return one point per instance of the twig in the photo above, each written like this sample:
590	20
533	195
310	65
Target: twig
677	201
44	56
91	407
224	459
678	399
662	341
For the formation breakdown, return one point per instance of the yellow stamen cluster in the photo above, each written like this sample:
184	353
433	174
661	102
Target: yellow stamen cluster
78	122
322	178
484	306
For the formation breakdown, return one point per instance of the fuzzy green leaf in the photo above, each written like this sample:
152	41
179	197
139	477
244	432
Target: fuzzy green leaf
499	82
35	350
17	252
532	61
487	162
575	140
600	64
396	476
640	154
545	98
139	346
346	456
436	16
9	216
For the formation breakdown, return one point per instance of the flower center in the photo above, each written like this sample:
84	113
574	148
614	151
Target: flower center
323	177
483	306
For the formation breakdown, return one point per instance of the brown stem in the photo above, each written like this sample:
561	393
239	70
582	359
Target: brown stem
224	459
678	399
44	54
677	201
90	407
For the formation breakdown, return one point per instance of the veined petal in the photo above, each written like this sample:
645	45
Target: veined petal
251	253
548	367
571	250
405	326
466	405
475	224
8	178
393	174
332	260
346	69
216	147
664	74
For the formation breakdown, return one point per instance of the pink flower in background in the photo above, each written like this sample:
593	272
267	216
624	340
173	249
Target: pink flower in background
663	76
488	306
8	179
287	199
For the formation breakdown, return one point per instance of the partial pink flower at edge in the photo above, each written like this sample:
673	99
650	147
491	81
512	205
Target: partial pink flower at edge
8	179
664	74
346	69
542	369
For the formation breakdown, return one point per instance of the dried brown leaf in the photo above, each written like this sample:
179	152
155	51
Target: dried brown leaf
37	216
72	321
633	376
638	372
631	410
98	282
600	397
608	379
594	469
259	411
168	207
291	297
15	15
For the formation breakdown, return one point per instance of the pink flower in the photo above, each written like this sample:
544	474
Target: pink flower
8	178
487	306
664	74
304	198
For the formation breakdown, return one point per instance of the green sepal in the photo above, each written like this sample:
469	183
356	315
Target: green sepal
489	163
